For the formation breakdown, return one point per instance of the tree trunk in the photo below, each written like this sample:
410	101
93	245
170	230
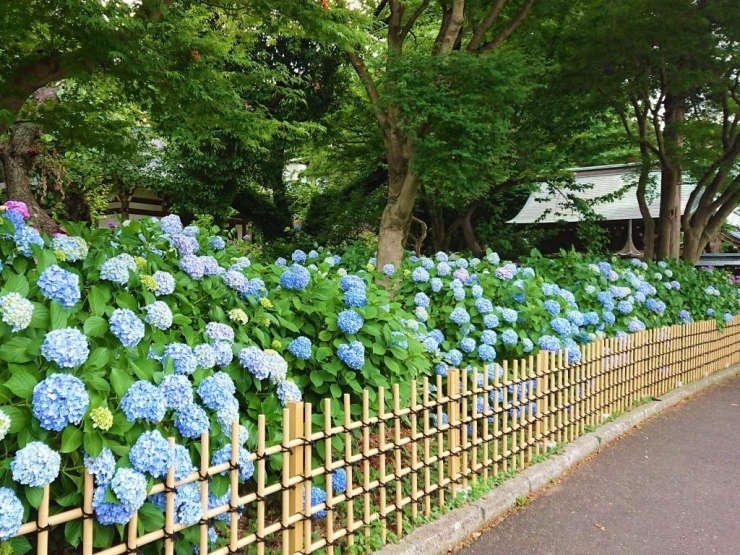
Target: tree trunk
437	230
471	241
648	239
396	218
693	246
17	154
669	244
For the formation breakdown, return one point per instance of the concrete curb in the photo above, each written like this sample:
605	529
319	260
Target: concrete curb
454	527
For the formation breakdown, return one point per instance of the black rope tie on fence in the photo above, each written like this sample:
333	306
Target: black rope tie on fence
204	477
170	536
233	466
169	489
42	529
86	515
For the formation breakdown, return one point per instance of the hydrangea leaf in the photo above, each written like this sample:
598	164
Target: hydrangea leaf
73	532
18	418
16	283
18	349
21	383
98	299
34	495
71	439
59	316
95	326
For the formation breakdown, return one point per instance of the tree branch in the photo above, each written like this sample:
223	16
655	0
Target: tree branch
367	81
482	29
395	27
412	20
450	31
379	8
509	29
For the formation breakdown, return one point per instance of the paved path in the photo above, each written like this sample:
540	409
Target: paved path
671	487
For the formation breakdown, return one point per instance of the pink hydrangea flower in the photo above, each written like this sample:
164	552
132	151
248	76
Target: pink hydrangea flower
19	207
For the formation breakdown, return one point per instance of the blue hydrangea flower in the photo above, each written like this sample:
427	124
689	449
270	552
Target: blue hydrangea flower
490	321
103	467
227	414
171	224
25	237
130	488
295	277
467	345
339	480
552	306
159	315
625	307
152	453
224	353
215	391
351	282
710	312
217	243
441	369
488	337
117	269
727	317
143	401
318	496
246	467
444	269
608	318
58	400
561	326
493	258
11	514
635	325
460	316
165	283
437	335
60	285
183	357
509	337
350	322
527	345
486	353
454	357
298	256
176	390
254	360
236	281
575	317
389	269
15	217
420	275
509	315
191	421
35	465
355	298
300	347
436	285
287	391
591	318
16	311
352	354
549	343
109	513
66	347
185	245
192	266
127	327
205	355
219	332
421	299
403	343
210	266
281	262
430	344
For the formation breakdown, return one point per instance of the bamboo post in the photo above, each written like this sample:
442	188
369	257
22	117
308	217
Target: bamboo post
453	433
169	516
87	513
307	456
204	465
366	461
234	501
132	533
382	477
414	453
42	521
329	484
261	475
398	462
293	421
427	450
348	469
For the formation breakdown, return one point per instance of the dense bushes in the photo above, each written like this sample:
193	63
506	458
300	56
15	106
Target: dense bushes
115	339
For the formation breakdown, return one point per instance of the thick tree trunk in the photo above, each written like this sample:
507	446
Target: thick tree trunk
396	218
693	246
669	244
437	229
17	154
471	241
648	239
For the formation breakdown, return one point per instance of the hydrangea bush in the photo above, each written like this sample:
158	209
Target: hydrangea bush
113	340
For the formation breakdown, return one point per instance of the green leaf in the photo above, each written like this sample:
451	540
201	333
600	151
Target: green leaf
16	283
93	443
120	381
59	316
392	365
322	353
153	517
95	326
73	532
102	535
98	358
34	496
22	383
98	299
18	418
336	391
71	439
20	545
16	349
40	318
181	319
127	300
316	379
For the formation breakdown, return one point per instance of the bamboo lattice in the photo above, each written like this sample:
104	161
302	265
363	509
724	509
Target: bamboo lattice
408	461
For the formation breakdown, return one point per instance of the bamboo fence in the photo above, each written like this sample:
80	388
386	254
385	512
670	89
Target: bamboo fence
407	462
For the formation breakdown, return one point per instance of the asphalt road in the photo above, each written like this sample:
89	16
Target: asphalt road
670	487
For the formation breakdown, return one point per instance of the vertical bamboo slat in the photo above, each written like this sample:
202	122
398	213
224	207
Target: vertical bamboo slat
293	418
42	520
204	449
87	511
261	476
453	432
169	515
